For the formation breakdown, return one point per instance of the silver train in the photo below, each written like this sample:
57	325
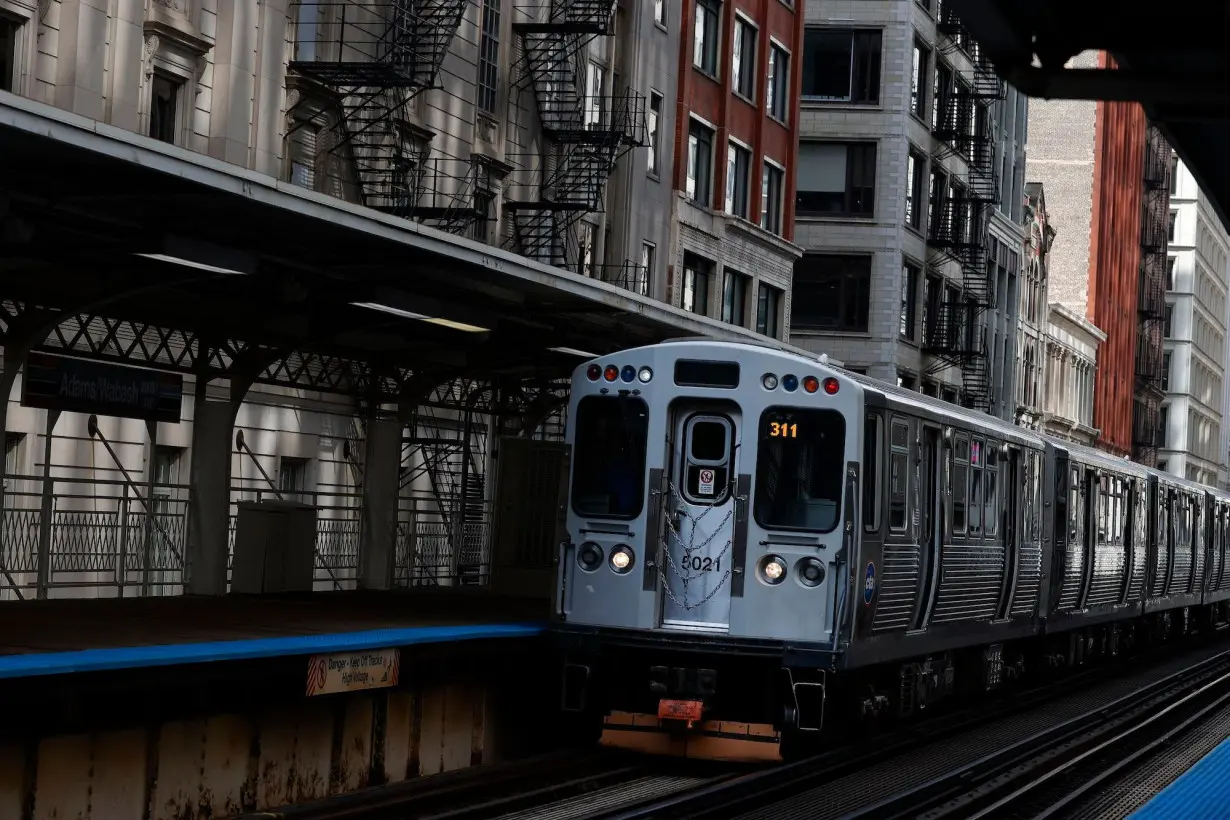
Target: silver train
759	545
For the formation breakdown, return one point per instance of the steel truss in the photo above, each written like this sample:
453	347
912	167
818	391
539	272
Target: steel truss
959	337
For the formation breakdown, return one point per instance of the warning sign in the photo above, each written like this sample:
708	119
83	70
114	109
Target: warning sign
374	669
706	483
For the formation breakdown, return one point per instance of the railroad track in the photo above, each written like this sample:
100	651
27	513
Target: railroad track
926	770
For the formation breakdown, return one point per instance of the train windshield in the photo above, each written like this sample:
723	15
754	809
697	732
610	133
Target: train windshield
608	456
799	469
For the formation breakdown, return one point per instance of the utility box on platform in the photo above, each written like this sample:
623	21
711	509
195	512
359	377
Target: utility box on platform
275	547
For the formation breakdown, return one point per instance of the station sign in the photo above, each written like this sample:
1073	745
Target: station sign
52	382
353	671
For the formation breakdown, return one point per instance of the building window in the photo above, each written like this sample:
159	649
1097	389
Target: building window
743	58
771	188
841	65
593	99
777	83
705	37
936	194
292	479
303	146
655	114
933	292
648	259
659	12
164	100
1165	371
836	179
8	53
1168	318
589	242
1170	231
1163	427
915	166
909	300
489	57
1174	174
831	293
1170	261
738	180
768	311
700	163
918	80
734	297
697	274
941	95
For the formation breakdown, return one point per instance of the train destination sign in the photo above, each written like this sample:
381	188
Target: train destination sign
53	382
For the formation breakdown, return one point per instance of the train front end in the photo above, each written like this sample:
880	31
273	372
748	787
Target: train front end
704	586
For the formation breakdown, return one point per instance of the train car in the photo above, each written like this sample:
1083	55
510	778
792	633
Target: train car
745	524
759	545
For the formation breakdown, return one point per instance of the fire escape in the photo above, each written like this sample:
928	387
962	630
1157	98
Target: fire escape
962	216
1151	302
377	60
585	131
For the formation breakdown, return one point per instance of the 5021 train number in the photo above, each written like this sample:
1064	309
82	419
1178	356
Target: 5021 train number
706	564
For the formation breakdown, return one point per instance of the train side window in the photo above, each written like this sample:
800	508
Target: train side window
800	469
1074	507
1103	516
975	486
872	470
608	457
960	484
899	478
990	490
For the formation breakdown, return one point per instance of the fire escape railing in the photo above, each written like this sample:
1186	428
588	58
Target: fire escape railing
1151	297
586	132
961	231
377	59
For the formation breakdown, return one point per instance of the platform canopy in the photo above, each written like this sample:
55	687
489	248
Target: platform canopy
1172	59
98	220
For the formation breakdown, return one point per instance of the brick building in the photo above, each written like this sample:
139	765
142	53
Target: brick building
732	213
1106	172
909	202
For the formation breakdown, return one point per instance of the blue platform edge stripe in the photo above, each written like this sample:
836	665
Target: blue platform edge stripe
128	657
1202	791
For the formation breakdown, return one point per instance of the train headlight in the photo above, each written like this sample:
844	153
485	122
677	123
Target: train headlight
622	559
645	375
589	556
811	572
768	381
772	570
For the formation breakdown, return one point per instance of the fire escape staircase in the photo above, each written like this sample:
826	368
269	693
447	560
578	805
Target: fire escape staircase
1151	298
587	133
382	57
963	230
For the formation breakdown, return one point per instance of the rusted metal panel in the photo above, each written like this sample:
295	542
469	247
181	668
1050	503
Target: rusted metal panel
431	738
117	782
62	786
275	779
312	754
177	789
354	758
397	733
224	765
12	780
458	727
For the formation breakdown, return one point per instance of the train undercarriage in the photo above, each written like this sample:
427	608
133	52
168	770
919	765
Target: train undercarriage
704	702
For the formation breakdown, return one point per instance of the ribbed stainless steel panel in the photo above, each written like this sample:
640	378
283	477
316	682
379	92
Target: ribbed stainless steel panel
970	583
1029	580
1109	565
1073	576
898	590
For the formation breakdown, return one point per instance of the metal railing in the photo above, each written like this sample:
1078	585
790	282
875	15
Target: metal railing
90	538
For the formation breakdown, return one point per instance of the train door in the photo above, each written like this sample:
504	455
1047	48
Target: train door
1010	526
930	522
700	521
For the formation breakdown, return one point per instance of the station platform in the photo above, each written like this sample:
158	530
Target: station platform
1202	791
58	637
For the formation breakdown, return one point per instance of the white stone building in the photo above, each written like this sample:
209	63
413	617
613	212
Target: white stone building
1071	359
1194	364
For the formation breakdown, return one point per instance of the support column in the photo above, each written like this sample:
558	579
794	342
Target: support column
381	479
209	512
